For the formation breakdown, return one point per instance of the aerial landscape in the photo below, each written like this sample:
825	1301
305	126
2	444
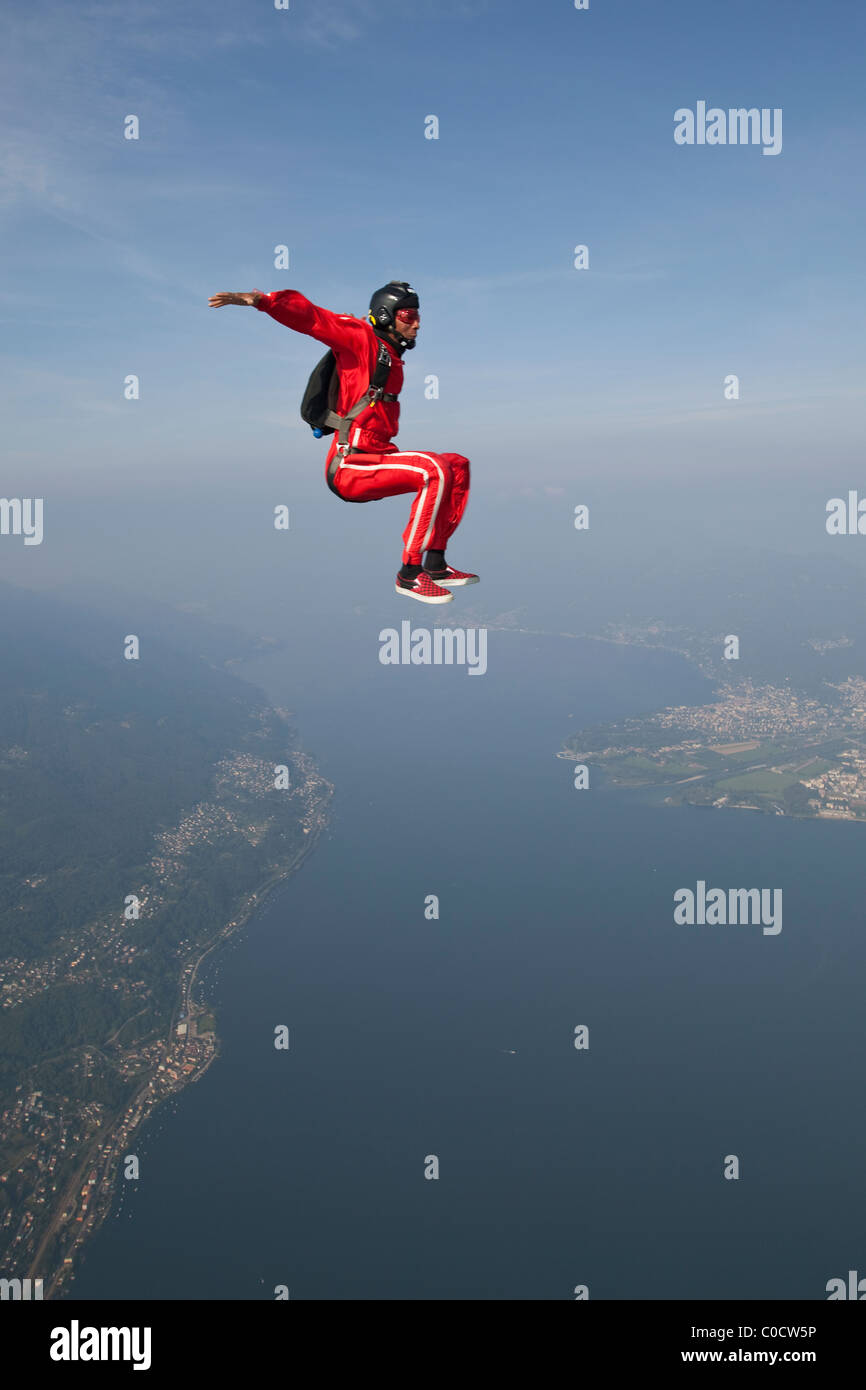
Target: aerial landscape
99	1014
351	350
761	748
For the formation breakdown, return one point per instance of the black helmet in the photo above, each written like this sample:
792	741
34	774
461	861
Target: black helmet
397	294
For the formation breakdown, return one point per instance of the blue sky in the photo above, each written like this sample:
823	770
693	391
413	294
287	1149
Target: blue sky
306	128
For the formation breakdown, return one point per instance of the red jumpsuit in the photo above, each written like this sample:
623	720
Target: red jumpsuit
375	467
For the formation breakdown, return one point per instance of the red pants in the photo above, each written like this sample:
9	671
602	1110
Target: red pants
440	483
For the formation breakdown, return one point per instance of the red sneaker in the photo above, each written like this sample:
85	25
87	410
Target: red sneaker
455	579
423	589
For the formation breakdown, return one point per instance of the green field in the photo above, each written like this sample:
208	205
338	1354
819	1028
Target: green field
635	762
764	753
636	771
765	783
814	768
769	783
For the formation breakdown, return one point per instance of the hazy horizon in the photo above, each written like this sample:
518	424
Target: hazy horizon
703	261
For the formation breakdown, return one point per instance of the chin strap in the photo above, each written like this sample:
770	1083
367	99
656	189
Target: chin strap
395	339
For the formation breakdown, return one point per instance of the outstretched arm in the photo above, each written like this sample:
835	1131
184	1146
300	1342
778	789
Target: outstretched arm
250	297
291	308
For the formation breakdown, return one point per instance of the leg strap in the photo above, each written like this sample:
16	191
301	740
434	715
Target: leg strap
335	463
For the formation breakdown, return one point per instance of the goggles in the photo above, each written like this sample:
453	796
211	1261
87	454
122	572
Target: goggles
408	316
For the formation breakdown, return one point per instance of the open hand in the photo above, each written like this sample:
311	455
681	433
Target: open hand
249	297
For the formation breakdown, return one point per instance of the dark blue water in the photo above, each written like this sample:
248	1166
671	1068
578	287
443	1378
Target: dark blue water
455	1037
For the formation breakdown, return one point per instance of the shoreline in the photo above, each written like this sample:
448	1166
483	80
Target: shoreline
145	1101
771	810
709	674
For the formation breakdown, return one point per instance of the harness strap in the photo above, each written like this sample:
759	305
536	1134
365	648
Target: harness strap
374	392
335	463
342	424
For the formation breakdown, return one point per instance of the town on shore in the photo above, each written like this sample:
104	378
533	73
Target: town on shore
756	747
65	1152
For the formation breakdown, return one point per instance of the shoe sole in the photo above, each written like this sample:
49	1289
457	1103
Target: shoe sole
455	583
422	598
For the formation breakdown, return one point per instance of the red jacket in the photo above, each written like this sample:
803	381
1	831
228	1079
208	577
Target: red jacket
355	345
